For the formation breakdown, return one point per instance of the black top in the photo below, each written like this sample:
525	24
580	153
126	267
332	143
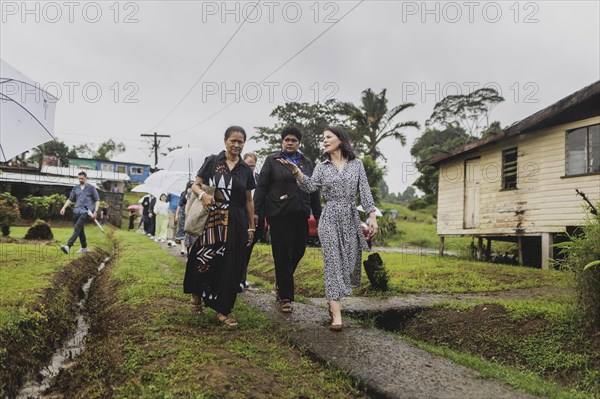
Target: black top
148	204
277	193
233	184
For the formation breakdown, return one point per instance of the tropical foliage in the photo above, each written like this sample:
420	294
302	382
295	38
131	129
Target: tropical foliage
374	122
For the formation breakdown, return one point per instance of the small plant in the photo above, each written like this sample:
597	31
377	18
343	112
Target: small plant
376	272
9	212
39	230
581	255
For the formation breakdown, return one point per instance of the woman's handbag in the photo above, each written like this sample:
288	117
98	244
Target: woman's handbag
196	214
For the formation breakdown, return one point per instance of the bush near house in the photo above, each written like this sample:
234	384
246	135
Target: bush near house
45	208
582	249
9	212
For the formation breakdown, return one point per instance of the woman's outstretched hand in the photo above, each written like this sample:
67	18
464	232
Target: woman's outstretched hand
291	166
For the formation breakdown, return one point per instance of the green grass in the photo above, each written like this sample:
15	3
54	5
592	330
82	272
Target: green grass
411	273
150	346
28	268
522	379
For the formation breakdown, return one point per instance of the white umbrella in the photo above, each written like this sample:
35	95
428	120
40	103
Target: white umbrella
163	182
183	159
27	113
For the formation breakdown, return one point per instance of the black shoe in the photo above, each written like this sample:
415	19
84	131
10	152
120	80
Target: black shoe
65	249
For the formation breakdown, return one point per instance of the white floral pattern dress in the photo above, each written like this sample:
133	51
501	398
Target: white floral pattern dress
341	237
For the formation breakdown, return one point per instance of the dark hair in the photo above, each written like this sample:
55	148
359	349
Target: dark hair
82	173
189	184
232	129
291	130
345	145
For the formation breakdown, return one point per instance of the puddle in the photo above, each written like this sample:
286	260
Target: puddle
64	357
389	320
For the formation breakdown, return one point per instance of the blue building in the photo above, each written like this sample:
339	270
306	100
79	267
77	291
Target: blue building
137	172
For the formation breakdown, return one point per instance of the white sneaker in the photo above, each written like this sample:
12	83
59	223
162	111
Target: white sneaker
84	250
65	249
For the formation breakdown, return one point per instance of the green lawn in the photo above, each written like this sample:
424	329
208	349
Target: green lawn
410	273
148	345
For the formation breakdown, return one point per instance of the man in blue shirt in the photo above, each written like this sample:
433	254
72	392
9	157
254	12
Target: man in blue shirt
84	196
173	201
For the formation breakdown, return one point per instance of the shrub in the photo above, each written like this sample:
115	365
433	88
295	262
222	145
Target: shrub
387	227
583	249
45	208
39	230
9	212
376	272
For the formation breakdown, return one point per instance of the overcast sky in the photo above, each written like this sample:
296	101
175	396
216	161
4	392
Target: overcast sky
121	68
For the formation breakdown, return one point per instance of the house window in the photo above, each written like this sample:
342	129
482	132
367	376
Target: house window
509	168
107	167
583	150
136	170
121	169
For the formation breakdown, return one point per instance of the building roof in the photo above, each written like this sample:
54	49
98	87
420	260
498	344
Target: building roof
582	104
111	161
61	176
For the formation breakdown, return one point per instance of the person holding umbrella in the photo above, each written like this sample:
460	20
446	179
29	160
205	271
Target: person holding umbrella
85	197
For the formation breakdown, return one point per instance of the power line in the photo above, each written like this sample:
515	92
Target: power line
205	71
275	70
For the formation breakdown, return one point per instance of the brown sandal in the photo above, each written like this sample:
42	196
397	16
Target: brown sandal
286	306
196	304
227	321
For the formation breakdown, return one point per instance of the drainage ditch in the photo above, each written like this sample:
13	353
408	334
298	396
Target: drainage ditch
65	356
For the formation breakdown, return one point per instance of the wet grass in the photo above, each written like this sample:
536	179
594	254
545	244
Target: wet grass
38	287
146	344
413	274
539	345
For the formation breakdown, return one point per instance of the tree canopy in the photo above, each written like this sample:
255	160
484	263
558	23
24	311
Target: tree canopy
432	143
374	122
311	119
469	112
53	148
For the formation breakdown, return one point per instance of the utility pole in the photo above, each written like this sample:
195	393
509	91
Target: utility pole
155	145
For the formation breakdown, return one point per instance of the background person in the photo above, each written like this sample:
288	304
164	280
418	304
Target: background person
287	210
180	234
162	218
215	263
341	177
251	159
82	195
173	201
148	202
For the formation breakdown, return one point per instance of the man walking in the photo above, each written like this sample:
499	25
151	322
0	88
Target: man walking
84	196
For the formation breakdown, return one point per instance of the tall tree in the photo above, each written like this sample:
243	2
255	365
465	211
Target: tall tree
375	122
311	119
54	148
470	112
104	152
432	143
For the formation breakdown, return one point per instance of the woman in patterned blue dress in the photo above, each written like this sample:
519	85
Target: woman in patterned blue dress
340	177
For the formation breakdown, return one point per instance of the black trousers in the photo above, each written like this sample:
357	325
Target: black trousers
79	231
288	243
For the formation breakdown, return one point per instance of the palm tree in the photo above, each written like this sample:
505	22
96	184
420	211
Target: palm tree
374	122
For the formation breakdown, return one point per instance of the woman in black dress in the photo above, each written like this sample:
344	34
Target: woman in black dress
215	263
